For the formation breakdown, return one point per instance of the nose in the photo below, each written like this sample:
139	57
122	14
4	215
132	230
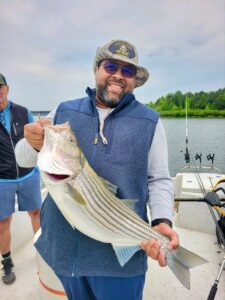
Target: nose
118	73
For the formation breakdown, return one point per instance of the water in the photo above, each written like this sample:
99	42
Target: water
204	135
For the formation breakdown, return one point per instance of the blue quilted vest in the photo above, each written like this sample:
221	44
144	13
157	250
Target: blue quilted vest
129	130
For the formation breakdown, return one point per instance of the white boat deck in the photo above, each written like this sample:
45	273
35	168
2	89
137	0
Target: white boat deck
160	282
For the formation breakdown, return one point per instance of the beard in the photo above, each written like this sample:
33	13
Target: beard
103	95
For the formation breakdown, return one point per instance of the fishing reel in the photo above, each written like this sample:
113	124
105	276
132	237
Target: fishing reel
211	157
198	156
213	199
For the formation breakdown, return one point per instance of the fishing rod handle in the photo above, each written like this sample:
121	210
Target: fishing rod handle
212	293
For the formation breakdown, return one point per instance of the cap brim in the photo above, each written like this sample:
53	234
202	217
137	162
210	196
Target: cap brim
142	74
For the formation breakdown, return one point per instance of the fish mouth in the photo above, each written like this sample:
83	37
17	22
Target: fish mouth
58	177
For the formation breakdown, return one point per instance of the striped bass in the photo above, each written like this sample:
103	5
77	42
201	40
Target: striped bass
89	203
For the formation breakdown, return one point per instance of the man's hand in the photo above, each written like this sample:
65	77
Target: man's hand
152	247
34	133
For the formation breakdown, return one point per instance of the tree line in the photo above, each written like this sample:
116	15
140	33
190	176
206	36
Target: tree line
200	104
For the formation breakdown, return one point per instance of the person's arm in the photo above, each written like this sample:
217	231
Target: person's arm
26	156
26	149
161	195
160	184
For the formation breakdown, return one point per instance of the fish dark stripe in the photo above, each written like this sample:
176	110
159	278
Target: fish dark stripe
121	209
97	214
135	225
117	203
109	212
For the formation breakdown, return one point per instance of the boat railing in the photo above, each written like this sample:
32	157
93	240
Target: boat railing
200	169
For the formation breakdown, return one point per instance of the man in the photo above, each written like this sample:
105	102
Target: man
125	143
14	180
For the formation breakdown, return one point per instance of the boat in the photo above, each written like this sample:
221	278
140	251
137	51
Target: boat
193	222
36	281
160	282
200	204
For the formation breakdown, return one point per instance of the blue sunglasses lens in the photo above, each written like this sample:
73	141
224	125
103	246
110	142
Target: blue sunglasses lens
112	67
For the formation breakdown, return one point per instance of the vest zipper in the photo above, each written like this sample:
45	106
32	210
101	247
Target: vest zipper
76	242
14	128
15	131
96	139
17	169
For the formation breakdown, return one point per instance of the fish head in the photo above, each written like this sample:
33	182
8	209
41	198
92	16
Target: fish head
60	156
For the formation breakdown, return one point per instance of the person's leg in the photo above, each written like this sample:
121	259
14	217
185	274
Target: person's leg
76	288
29	198
117	288
7	207
5	235
101	288
5	240
35	219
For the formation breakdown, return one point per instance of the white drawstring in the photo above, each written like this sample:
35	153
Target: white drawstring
104	140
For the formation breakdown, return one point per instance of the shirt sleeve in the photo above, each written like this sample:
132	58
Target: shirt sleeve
26	156
160	184
30	117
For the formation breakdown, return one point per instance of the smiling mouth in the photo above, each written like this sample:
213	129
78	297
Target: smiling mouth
114	88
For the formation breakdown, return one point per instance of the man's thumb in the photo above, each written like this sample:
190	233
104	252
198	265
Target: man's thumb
44	121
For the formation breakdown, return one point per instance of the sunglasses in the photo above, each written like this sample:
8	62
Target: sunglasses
111	67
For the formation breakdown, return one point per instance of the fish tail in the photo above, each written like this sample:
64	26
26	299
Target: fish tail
180	261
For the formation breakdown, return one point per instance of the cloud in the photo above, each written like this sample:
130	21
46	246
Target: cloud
48	47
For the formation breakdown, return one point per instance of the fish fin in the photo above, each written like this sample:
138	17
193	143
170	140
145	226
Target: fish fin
189	258
76	195
125	253
180	270
130	203
110	186
180	261
113	188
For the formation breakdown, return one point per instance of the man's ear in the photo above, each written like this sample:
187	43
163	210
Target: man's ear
95	68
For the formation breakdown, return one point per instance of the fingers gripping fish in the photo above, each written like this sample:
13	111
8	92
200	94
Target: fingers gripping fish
89	203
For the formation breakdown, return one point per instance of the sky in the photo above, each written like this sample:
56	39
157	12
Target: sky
48	47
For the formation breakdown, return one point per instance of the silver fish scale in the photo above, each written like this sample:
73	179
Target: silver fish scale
110	211
100	214
122	209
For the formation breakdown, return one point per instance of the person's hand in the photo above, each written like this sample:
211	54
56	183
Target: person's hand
152	247
34	133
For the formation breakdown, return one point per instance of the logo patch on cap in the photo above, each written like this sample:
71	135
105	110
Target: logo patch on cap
122	48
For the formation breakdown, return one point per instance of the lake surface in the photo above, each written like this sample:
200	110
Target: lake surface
204	136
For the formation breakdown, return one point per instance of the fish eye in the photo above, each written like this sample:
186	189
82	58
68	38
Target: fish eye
72	140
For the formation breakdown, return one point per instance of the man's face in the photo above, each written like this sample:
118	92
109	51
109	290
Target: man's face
4	89
113	79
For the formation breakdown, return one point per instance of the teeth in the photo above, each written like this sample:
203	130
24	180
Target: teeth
114	87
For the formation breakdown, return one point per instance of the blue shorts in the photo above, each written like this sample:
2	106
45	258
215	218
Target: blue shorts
28	195
102	288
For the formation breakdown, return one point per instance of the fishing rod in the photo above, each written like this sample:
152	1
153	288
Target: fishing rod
187	154
211	199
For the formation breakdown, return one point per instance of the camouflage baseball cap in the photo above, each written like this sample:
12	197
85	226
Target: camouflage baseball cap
124	51
2	80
